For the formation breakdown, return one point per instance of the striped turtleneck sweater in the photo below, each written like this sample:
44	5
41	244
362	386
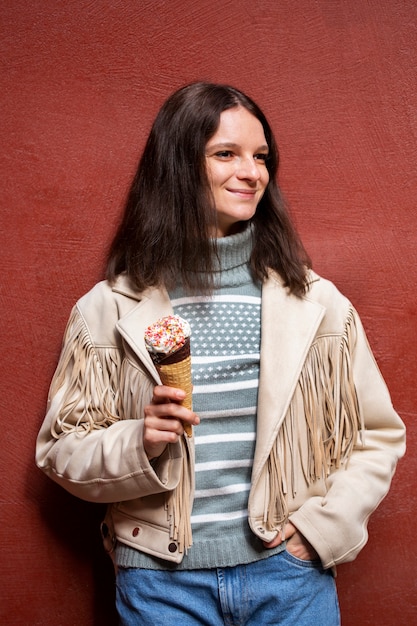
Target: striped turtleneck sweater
225	346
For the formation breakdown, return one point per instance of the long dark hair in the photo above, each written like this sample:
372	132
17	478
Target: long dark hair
164	235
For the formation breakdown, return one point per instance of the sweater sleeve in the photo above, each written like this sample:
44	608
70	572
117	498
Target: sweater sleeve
91	439
336	524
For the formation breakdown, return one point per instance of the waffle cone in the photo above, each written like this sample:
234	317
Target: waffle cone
175	371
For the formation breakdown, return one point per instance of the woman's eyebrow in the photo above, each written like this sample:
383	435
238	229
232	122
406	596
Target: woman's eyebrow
231	145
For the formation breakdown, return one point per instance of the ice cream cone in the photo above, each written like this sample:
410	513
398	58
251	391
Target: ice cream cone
174	370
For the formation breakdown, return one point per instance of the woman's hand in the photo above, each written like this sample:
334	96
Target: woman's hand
164	417
297	544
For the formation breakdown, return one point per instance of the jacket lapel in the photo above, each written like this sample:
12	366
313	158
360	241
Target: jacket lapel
289	325
154	304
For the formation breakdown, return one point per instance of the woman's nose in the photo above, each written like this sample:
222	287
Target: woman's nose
248	168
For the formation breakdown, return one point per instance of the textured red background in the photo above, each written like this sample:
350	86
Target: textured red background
80	84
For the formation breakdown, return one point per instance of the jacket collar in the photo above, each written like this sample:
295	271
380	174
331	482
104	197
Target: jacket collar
153	303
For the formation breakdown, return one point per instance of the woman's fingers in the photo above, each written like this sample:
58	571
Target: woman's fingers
164	419
163	394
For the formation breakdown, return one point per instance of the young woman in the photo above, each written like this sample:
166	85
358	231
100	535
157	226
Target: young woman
295	440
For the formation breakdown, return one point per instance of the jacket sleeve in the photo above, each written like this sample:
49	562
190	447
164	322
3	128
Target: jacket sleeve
90	442
336	524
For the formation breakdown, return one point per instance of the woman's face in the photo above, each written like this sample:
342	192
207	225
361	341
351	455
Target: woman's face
236	168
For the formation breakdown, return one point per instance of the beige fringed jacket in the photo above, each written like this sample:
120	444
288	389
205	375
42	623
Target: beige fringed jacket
328	438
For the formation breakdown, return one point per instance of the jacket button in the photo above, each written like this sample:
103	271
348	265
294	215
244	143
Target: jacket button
135	531
172	547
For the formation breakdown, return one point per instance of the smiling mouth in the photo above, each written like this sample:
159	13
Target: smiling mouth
245	193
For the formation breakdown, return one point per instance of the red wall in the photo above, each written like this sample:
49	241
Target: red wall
80	84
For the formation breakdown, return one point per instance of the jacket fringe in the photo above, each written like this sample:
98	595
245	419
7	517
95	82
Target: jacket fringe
91	400
101	389
333	421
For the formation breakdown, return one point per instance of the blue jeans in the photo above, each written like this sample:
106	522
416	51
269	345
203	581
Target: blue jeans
281	590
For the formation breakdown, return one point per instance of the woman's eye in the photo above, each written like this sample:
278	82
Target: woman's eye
261	157
224	154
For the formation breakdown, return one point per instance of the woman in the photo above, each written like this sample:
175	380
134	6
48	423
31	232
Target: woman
295	438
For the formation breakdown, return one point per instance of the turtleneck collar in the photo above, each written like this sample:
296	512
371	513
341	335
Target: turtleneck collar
231	266
235	250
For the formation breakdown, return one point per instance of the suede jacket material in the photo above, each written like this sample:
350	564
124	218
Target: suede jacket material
328	438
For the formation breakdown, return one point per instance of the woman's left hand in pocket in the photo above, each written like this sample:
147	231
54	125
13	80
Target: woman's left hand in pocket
297	544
